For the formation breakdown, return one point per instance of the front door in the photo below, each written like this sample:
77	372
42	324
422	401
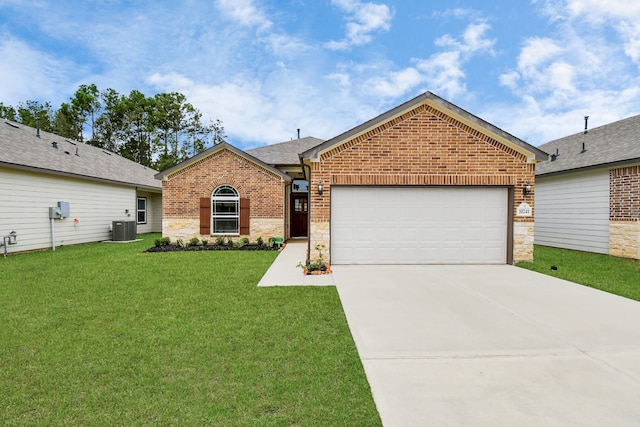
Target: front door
299	214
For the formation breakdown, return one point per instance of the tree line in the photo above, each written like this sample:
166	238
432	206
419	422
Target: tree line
158	131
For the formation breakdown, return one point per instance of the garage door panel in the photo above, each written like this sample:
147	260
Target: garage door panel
410	225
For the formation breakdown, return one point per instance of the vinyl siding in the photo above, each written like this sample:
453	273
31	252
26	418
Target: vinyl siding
572	211
154	213
25	198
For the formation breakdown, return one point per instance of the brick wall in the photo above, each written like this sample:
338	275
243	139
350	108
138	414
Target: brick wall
423	147
624	212
624	194
181	193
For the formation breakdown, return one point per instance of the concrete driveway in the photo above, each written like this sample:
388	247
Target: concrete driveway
492	346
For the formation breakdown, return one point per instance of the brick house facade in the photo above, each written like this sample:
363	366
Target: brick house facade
425	143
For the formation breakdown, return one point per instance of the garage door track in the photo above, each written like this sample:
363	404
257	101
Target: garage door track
492	346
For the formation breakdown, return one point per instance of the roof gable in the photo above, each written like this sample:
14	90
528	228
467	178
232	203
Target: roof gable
20	147
212	151
475	124
614	143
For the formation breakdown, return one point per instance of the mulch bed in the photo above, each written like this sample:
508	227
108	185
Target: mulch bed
176	248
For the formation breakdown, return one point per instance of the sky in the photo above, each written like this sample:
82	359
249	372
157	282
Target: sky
266	68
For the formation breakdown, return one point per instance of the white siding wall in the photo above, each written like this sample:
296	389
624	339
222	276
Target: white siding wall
25	198
572	211
154	213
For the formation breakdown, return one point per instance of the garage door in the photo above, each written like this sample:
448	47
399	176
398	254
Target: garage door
411	225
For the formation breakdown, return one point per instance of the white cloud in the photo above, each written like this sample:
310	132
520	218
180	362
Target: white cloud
364	19
580	68
30	74
245	12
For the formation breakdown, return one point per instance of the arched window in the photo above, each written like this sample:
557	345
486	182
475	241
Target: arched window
225	210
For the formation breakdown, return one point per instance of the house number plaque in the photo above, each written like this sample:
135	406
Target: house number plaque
524	210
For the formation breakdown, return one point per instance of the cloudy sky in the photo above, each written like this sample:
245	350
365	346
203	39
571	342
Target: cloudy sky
267	67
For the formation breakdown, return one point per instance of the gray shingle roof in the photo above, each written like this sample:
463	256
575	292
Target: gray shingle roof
21	148
615	143
285	153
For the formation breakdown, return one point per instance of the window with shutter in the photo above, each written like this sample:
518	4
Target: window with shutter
225	210
245	205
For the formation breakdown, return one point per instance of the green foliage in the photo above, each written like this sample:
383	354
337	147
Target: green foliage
181	243
205	242
101	334
230	242
244	241
220	241
194	241
259	241
158	131
615	275
164	241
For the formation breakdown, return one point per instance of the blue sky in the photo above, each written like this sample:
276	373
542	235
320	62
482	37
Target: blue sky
267	67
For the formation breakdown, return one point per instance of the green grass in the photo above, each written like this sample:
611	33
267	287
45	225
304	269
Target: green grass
615	275
105	334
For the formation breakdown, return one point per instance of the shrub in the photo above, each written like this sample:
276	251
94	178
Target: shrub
230	242
205	242
164	241
180	243
260	242
194	241
220	241
244	241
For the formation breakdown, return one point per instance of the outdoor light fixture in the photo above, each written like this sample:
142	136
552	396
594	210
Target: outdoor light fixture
320	188
526	190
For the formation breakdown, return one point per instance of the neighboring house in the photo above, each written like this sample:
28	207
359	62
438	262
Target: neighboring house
39	169
588	194
425	182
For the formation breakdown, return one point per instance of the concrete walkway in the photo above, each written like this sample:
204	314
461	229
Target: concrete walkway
284	270
492	346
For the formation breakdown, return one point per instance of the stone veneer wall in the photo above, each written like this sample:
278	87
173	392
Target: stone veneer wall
186	228
624	212
423	147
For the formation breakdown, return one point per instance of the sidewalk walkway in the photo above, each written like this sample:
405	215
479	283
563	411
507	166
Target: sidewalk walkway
284	270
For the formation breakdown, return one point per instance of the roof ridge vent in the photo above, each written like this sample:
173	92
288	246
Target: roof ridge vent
54	144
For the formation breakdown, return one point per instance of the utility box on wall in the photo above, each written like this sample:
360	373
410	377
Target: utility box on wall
123	231
59	212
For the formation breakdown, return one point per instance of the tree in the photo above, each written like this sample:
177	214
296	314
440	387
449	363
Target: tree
31	111
65	122
109	125
8	112
85	103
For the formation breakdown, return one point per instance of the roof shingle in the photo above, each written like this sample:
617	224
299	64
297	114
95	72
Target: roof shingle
617	142
50	153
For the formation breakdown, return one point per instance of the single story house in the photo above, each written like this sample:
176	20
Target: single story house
588	195
426	182
94	187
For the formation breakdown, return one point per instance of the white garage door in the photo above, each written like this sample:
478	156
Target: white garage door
410	225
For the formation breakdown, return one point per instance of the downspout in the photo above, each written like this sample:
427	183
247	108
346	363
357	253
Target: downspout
308	210
287	212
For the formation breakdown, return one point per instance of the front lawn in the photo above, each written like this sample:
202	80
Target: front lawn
615	275
106	334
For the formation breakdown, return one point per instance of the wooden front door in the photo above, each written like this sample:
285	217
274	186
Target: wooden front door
299	214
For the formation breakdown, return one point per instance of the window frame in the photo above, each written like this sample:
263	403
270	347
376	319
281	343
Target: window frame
144	210
227	199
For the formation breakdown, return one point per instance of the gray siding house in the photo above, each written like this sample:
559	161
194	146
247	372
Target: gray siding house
587	196
39	169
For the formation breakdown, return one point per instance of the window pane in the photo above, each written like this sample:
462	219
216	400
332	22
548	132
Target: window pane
228	226
142	203
225	207
142	216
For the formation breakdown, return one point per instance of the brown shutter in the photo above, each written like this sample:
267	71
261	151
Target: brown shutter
205	215
244	216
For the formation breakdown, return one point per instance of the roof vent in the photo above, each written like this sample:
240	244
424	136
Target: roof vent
586	119
298	133
553	157
38	129
584	148
54	144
